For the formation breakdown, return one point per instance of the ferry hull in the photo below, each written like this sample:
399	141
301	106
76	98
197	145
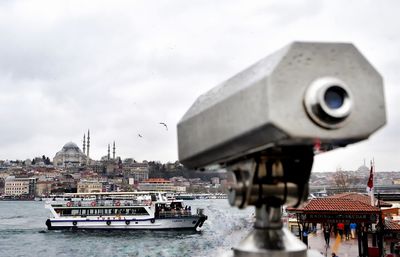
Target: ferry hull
189	223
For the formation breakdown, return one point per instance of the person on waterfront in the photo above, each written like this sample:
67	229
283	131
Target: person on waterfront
305	237
340	228
334	255
347	231
327	234
314	227
353	227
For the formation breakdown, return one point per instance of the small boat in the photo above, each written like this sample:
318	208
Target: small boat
121	210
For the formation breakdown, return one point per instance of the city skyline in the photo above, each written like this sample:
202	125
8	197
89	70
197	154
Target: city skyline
121	69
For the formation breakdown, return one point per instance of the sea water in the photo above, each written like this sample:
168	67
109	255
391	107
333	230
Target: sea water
23	233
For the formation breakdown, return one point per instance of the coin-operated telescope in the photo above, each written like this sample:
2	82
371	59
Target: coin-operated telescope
265	124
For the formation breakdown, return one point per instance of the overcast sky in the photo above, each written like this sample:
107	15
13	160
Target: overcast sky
119	68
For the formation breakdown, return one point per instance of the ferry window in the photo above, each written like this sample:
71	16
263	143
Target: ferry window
75	212
139	211
66	212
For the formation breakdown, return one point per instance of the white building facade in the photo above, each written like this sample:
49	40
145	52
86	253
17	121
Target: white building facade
19	186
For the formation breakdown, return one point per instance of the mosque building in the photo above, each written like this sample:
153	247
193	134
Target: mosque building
71	155
111	164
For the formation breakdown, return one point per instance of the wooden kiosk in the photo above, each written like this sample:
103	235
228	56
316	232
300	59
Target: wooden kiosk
344	208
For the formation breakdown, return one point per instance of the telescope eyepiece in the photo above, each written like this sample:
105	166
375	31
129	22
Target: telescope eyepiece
334	97
328	101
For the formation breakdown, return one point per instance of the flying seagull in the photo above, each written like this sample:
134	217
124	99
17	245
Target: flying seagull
165	125
140	135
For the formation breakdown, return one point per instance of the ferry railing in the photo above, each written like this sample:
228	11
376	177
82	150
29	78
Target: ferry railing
94	203
103	215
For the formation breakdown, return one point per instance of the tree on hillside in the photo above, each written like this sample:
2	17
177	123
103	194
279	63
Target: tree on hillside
343	180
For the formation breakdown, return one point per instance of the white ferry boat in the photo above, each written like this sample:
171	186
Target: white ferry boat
121	210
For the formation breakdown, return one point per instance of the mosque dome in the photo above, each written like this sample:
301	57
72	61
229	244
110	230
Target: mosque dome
70	155
70	146
363	169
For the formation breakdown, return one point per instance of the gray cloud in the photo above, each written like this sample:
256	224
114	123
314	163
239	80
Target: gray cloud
121	68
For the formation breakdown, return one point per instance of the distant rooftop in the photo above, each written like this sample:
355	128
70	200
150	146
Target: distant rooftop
338	205
346	202
392	226
361	198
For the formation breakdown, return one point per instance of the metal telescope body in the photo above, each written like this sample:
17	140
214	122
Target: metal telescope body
265	123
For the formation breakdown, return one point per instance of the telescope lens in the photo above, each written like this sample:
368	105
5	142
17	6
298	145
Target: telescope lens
334	97
328	102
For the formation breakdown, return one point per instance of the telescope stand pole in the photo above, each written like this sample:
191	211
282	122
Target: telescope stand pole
269	238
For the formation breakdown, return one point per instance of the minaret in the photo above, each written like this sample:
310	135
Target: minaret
88	146
108	155
84	143
114	150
